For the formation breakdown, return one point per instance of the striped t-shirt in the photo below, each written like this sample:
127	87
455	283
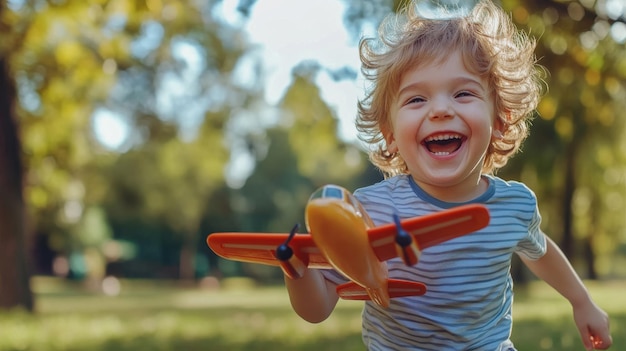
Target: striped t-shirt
470	292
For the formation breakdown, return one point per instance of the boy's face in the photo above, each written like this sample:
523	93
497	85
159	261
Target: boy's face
441	125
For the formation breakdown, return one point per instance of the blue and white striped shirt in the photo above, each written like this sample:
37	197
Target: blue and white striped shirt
470	290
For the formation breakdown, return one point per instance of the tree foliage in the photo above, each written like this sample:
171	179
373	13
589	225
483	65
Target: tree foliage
164	67
303	153
573	154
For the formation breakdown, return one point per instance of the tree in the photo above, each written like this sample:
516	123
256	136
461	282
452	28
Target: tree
176	167
303	153
167	182
14	263
14	271
70	58
313	128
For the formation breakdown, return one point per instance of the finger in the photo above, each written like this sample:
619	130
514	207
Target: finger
601	343
595	342
600	339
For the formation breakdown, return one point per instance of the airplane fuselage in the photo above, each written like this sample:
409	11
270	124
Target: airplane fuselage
338	225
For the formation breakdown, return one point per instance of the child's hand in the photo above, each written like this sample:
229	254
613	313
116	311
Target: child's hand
593	325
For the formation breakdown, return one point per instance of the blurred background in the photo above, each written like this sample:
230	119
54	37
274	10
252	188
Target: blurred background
130	130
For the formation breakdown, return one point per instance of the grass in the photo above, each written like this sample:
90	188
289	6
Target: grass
150	315
543	319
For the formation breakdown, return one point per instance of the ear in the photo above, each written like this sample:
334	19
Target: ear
498	129
392	147
386	129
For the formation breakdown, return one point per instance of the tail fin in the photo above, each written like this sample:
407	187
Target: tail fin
353	291
401	288
395	288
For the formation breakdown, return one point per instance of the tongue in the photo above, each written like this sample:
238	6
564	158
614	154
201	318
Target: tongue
444	146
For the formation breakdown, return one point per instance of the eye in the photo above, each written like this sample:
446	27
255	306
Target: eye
464	93
415	100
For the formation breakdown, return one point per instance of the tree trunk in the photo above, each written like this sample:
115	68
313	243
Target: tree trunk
567	241
590	257
14	272
187	263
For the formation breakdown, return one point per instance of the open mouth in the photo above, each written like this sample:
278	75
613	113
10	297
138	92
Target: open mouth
443	144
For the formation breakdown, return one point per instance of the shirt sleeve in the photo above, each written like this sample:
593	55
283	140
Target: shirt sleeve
533	246
333	276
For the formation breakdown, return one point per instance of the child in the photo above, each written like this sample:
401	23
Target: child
449	104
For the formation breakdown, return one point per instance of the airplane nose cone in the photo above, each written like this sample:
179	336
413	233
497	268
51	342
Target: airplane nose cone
335	205
333	223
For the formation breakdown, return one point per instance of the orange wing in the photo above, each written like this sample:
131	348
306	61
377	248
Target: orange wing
261	248
427	231
430	230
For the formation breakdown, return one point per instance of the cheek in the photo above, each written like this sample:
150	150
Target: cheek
486	134
405	139
403	120
405	134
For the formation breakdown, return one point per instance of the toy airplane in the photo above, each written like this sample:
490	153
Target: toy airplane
342	236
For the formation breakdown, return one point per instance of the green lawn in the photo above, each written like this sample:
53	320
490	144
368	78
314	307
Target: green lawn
161	316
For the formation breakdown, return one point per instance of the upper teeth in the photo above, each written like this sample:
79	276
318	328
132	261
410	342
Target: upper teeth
443	137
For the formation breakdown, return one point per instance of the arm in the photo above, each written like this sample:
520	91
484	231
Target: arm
555	269
312	297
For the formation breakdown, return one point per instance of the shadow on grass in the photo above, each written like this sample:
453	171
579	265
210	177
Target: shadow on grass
148	343
146	326
214	329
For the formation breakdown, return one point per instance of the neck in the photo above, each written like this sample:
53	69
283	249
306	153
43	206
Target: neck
457	193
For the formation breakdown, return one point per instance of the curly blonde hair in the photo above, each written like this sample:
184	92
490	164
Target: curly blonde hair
491	47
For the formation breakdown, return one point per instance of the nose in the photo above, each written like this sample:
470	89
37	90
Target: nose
440	108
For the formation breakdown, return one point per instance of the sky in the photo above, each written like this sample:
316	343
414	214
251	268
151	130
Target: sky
288	32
